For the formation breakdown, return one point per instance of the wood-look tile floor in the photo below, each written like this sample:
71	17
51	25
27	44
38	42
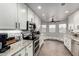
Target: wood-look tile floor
53	48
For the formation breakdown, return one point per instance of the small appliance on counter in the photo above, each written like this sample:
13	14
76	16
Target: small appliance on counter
10	40
3	46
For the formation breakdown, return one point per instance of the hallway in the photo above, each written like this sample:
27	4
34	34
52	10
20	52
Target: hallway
53	48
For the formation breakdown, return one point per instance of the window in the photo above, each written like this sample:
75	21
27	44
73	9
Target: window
43	28
52	28
76	27
62	28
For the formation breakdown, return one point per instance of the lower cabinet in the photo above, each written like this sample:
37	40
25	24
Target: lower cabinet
75	48
27	51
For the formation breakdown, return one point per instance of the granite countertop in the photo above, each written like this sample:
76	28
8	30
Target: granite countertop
16	47
74	38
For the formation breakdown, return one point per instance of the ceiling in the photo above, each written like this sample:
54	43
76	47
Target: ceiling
55	10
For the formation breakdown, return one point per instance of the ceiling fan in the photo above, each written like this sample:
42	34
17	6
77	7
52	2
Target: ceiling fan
63	4
53	21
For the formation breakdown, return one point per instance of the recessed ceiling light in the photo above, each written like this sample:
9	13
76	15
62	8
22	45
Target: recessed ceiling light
66	11
39	7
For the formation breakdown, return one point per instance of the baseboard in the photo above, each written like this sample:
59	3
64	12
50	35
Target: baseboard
53	40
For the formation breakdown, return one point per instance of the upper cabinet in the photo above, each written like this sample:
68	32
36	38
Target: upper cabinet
73	21
22	16
8	15
16	15
30	15
37	21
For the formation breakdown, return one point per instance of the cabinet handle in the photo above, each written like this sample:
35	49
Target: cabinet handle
19	25
16	25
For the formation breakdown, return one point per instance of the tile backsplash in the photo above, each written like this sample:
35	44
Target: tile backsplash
11	33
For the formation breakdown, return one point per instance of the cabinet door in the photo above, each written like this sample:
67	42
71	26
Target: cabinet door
23	52
37	21
20	53
26	51
8	15
75	48
22	16
30	50
30	15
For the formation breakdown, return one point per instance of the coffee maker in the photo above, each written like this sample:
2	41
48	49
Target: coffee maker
3	46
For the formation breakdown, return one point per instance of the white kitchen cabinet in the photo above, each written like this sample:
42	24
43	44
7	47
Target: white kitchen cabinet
34	18
26	51
22	16
75	48
29	50
37	21
30	15
8	15
73	21
20	53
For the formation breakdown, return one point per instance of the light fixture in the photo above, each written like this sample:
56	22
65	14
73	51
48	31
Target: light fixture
39	7
67	11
